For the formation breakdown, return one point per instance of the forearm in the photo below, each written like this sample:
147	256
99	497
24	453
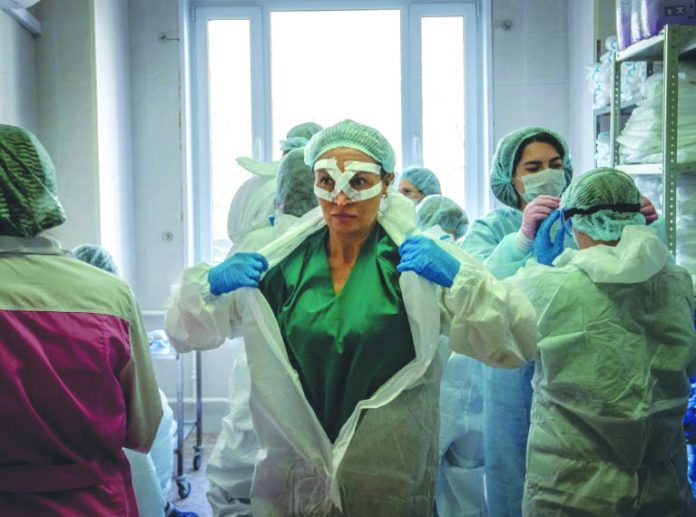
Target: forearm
195	318
489	320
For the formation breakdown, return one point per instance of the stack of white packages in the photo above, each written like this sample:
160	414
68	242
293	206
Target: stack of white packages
633	75
686	223
650	185
641	139
603	150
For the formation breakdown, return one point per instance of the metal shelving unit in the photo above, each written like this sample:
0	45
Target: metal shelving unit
674	43
185	427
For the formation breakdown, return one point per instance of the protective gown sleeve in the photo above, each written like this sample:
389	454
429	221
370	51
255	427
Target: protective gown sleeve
485	234
195	318
480	241
486	319
143	404
509	255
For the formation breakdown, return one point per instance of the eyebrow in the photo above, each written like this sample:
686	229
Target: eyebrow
539	162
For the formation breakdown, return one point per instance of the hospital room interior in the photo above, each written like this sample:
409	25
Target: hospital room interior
347	258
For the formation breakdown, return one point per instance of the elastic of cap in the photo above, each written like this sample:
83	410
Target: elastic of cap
332	163
621	207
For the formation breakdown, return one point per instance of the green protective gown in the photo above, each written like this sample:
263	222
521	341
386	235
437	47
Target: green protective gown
611	381
344	346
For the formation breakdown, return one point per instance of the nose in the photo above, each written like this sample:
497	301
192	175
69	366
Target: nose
342	199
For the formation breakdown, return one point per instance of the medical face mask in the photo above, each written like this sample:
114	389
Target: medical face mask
342	180
550	182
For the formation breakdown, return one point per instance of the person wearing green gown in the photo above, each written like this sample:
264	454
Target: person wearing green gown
341	316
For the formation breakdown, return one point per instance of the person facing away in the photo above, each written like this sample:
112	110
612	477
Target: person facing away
616	349
296	138
341	316
77	383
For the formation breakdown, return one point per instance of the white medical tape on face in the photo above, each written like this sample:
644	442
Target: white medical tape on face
342	180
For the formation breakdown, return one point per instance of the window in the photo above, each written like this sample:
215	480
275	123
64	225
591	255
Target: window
409	69
330	65
229	118
442	58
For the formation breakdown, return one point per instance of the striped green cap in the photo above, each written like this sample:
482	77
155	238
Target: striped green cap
28	192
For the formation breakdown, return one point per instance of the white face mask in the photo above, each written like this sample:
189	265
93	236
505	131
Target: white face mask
342	180
550	182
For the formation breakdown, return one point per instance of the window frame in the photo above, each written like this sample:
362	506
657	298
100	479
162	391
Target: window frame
196	14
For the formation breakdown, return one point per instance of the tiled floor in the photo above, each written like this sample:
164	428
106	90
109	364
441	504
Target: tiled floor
196	501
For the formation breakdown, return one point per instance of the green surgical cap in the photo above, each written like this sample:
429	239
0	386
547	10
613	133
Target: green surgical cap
299	135
423	179
295	190
442	211
503	165
96	256
28	192
603	186
354	136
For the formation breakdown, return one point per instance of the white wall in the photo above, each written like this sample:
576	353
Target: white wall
157	167
83	106
17	75
67	114
159	190
114	133
580	58
530	65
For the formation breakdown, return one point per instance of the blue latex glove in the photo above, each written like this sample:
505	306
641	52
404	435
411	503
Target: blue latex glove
424	257
689	421
545	249
240	270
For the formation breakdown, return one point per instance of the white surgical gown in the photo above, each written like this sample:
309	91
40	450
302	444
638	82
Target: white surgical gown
231	465
299	471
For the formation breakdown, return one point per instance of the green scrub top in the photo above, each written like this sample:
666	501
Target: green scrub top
344	346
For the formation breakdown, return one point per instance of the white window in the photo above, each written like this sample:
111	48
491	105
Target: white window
411	70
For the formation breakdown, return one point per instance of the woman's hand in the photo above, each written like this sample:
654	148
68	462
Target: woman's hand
648	210
240	270
422	256
535	213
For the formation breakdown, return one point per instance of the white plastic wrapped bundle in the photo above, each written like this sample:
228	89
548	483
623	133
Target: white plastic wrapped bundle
650	185
633	75
641	139
603	150
686	222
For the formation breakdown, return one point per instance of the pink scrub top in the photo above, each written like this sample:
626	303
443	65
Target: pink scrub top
76	384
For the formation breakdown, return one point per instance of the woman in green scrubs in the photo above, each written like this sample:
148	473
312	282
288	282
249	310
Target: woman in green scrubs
341	317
